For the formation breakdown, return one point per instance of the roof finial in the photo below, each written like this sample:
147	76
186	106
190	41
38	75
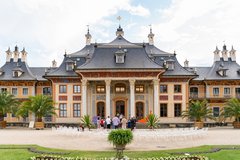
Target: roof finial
88	28
65	53
150	25
119	20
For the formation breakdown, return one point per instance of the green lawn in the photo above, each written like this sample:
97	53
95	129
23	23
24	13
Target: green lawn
20	152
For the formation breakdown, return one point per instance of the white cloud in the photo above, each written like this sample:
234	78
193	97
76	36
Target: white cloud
46	28
194	28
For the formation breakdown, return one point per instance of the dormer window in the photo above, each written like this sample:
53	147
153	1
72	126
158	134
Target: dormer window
17	72
222	72
170	64
69	65
120	56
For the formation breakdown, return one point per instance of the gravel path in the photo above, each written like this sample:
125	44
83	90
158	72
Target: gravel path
97	140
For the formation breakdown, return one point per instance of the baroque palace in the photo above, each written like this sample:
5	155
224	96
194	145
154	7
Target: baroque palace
121	77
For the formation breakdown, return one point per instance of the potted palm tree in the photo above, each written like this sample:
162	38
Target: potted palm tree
40	105
198	111
232	110
8	104
120	138
152	121
86	122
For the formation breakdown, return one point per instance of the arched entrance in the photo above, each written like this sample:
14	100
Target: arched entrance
139	110
101	109
120	107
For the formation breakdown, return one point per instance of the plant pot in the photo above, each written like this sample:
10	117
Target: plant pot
199	125
3	124
39	125
236	125
120	146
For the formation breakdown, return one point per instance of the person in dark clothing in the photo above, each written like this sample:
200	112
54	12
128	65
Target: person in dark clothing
133	123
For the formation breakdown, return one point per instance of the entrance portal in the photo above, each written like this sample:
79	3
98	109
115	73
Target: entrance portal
120	107
101	109
139	110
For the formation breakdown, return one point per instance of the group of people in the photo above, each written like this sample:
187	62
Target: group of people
118	121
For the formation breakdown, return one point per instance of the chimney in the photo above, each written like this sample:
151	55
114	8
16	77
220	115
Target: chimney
119	31
8	55
216	54
88	37
186	62
150	37
225	53
54	64
16	54
232	54
24	55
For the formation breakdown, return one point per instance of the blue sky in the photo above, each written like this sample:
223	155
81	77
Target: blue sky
47	28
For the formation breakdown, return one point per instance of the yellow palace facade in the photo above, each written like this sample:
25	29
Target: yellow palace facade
121	77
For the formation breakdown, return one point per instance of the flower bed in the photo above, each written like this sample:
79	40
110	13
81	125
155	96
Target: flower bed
190	157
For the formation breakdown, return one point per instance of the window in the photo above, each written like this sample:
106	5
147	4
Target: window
15	74
62	89
76	110
163	110
194	92
69	66
237	92
25	91
14	91
100	89
76	89
227	91
215	111
3	90
46	91
120	88
163	89
215	91
139	88
62	110
177	110
119	59
177	88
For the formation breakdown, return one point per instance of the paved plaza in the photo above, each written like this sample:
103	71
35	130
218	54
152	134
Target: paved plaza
143	139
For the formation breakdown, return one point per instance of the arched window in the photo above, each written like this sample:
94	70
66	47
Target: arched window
139	110
101	109
120	107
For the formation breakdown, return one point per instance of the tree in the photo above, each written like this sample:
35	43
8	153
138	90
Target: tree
40	105
232	109
198	111
152	121
120	138
8	104
86	120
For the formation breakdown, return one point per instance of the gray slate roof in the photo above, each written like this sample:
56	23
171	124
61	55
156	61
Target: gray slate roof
137	56
210	73
61	70
9	67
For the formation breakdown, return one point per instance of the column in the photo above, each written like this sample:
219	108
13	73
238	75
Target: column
108	83
84	97
132	97
156	97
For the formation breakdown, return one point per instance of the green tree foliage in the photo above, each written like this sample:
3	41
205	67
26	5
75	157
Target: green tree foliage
40	105
232	109
86	120
198	111
152	121
8	104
